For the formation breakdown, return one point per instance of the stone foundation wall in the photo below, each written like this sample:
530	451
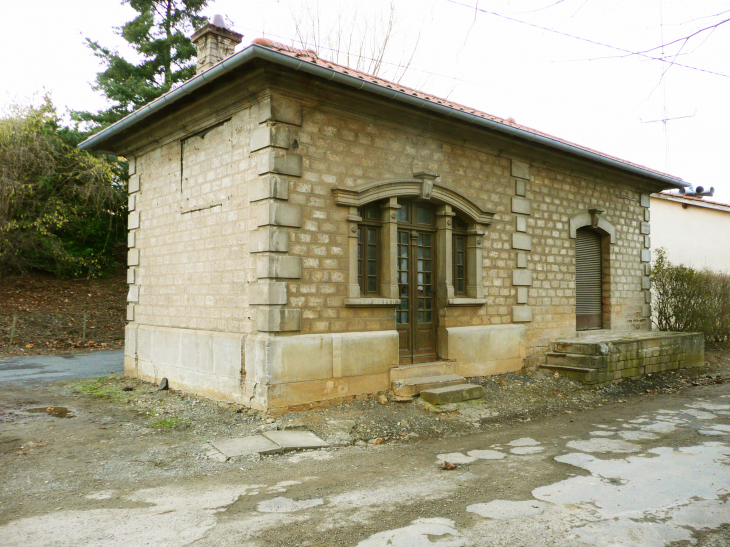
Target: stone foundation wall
631	358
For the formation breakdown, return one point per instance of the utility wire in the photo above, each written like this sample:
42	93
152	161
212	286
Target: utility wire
397	65
594	42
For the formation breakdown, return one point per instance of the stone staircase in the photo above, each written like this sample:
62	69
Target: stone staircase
438	381
599	359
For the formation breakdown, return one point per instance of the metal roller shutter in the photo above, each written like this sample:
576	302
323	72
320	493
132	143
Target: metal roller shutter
588	287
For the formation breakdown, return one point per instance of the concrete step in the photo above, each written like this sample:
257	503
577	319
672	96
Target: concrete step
576	360
452	394
410	387
422	370
581	348
585	375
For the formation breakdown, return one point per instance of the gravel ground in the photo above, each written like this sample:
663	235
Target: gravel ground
61	442
509	398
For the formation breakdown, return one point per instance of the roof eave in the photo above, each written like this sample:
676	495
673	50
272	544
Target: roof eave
254	51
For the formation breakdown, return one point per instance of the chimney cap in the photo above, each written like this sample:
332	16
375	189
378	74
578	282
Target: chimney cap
218	21
218	26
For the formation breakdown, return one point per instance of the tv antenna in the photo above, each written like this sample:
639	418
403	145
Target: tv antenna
665	110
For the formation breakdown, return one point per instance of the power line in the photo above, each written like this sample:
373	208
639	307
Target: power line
397	65
587	40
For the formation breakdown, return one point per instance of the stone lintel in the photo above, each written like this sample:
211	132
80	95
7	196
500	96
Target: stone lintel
278	320
278	266
277	109
269	186
521	314
522	278
520	169
522	242
522	206
279	213
269	239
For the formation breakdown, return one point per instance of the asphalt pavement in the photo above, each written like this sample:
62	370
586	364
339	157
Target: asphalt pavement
49	368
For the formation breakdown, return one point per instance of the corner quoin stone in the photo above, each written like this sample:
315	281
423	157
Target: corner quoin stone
452	394
520	169
522	242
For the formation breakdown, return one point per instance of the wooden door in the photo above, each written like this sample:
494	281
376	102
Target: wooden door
588	280
416	316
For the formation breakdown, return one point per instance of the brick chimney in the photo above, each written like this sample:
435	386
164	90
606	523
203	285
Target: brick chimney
214	43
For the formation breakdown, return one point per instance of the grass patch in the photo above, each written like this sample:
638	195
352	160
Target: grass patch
105	387
170	423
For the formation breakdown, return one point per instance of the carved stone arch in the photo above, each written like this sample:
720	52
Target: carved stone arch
594	220
422	187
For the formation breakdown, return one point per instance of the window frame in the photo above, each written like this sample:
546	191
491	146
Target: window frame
366	226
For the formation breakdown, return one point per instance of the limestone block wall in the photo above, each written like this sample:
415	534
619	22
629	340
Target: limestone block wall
190	224
528	254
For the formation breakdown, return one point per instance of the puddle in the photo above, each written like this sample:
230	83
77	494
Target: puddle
55	411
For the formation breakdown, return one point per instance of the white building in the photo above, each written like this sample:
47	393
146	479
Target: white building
694	231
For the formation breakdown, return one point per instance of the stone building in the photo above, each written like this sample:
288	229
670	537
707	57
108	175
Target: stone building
300	232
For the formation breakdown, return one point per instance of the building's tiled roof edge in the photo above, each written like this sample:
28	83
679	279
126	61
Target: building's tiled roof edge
310	62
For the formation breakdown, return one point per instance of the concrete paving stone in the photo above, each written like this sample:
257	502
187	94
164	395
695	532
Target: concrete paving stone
243	446
452	394
295	440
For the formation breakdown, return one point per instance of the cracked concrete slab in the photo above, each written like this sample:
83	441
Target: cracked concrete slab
295	440
245	446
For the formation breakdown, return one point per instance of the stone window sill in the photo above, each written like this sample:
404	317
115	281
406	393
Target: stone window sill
467	301
372	302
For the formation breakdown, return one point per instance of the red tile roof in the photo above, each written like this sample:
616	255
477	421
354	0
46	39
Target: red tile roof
311	56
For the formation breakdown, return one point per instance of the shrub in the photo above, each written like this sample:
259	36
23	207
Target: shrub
688	300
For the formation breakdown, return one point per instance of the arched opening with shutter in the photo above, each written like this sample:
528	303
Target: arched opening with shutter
588	280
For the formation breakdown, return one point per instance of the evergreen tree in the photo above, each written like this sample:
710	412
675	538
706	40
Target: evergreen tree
160	34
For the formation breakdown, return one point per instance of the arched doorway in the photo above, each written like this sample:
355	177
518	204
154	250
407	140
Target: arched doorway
588	280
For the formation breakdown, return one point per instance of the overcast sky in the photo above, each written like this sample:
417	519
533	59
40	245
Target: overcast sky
508	64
